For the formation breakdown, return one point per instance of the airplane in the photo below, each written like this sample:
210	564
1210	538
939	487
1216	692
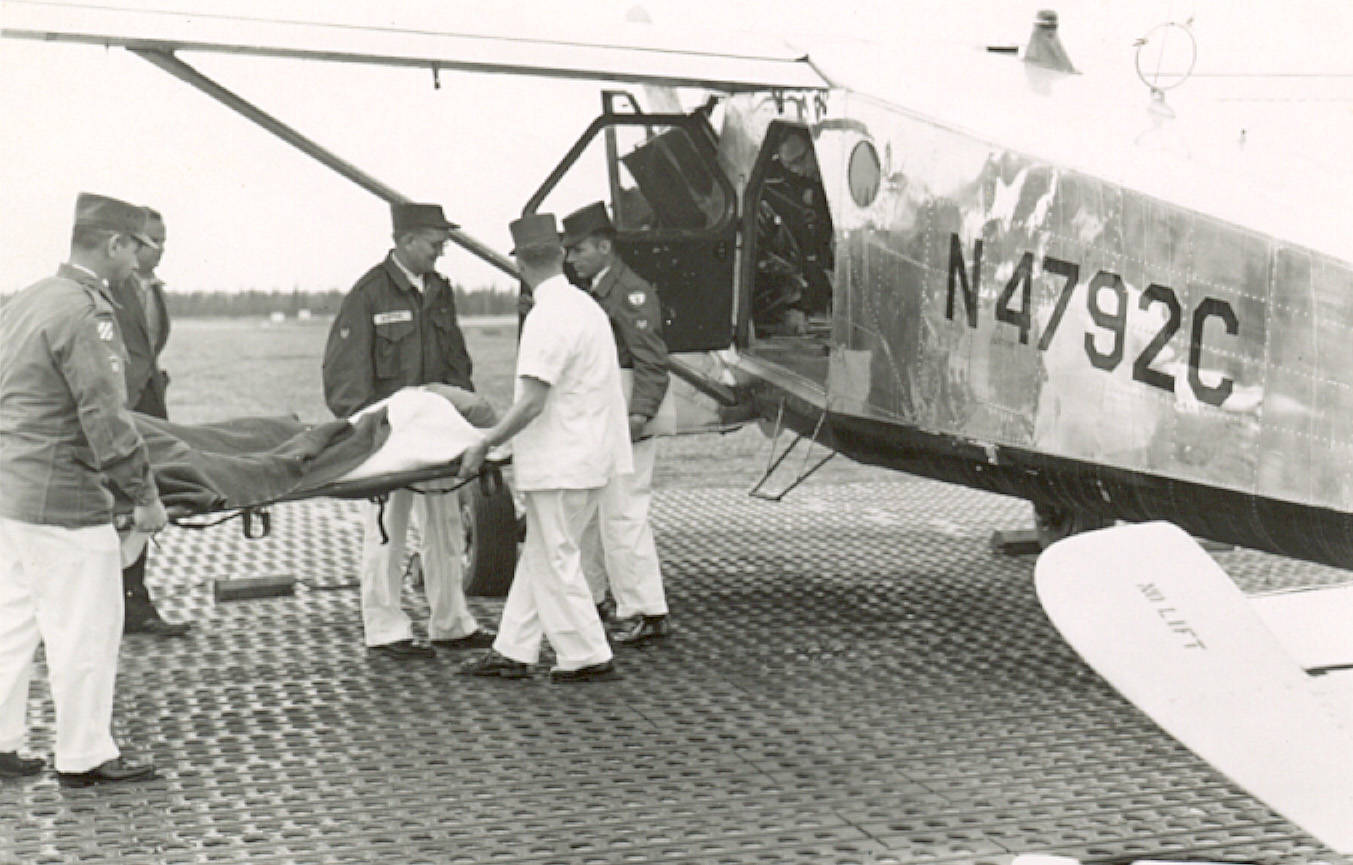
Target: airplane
985	267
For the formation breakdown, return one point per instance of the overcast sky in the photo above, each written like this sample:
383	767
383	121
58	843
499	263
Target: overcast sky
245	210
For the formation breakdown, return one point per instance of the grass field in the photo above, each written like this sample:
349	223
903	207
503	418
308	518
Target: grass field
237	367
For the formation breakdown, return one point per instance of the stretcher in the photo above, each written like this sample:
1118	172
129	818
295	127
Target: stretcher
212	473
440	478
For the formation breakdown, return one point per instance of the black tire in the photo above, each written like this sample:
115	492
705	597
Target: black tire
1053	523
490	521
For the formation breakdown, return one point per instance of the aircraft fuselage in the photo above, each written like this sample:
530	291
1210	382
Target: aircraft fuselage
1004	322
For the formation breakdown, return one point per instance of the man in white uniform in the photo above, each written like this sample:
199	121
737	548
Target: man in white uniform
572	437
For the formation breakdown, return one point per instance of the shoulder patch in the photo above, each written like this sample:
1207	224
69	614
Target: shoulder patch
637	297
106	330
344	332
641	323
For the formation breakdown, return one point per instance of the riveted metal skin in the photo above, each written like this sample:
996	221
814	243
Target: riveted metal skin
1070	318
853	677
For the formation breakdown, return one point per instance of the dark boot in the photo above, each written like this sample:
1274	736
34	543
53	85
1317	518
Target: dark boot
140	615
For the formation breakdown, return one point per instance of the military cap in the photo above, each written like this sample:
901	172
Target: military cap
535	230
109	214
411	217
586	221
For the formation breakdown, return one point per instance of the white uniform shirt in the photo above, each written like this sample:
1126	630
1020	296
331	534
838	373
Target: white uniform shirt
580	440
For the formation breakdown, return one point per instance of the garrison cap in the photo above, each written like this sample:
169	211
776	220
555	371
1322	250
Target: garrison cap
535	230
411	217
586	221
110	214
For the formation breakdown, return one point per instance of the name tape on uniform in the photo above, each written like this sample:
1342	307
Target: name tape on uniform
393	317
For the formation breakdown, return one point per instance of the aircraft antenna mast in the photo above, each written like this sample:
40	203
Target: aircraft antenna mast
1165	59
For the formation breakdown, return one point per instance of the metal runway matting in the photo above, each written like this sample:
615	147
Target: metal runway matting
854	677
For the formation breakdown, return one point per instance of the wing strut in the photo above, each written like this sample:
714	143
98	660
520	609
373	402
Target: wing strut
182	71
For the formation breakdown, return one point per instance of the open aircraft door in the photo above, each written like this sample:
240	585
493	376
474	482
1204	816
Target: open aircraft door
674	212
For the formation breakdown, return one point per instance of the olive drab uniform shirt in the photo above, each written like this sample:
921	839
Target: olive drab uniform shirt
67	439
636	320
389	335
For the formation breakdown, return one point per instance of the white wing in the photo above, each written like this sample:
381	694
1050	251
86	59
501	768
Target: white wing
632	52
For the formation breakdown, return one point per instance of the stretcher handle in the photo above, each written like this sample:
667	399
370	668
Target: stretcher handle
264	517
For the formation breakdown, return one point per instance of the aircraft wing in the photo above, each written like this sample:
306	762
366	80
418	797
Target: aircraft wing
1154	615
638	53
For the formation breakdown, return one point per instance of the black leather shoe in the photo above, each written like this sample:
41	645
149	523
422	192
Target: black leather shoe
480	639
494	664
156	626
405	649
14	766
592	673
642	629
108	773
606	610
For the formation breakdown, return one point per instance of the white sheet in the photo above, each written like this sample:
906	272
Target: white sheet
425	430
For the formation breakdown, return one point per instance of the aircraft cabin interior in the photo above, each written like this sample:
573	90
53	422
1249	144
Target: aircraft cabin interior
790	253
677	225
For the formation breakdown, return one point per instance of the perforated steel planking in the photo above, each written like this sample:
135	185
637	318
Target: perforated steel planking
855	677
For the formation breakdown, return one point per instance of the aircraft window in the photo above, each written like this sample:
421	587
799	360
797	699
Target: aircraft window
864	173
676	179
658	180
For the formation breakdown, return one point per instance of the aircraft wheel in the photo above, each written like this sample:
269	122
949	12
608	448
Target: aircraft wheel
490	521
1053	523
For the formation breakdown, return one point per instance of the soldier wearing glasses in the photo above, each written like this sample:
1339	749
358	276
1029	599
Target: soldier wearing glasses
143	321
397	328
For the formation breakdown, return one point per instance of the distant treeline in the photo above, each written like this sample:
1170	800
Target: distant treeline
203	304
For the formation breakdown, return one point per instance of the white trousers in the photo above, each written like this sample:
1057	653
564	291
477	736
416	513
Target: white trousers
549	594
618	542
61	587
383	617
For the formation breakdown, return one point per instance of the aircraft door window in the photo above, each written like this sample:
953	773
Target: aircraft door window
654	177
673	211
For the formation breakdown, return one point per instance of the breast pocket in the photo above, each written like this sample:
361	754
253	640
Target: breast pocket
443	319
391	346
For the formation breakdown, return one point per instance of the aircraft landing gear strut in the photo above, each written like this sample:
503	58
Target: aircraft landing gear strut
1051	524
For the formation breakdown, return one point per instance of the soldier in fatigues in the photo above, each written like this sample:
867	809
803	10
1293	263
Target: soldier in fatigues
67	444
397	328
618	543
